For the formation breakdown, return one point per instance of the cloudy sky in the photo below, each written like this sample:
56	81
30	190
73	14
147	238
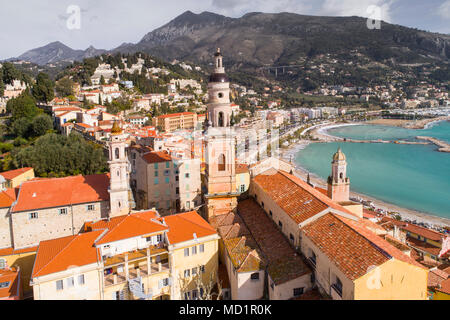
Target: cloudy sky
106	24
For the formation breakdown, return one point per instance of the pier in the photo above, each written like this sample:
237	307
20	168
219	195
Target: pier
443	146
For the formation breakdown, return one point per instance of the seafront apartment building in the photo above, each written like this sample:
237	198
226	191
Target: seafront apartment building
137	256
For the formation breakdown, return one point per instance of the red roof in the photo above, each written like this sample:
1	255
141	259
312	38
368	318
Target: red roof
128	227
9	175
7	197
56	192
182	227
175	115
158	156
13	289
60	254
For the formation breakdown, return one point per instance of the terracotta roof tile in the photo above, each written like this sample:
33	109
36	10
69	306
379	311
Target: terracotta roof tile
60	254
11	276
7	197
155	157
182	227
9	175
55	192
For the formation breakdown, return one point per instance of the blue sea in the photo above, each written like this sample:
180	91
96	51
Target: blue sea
416	177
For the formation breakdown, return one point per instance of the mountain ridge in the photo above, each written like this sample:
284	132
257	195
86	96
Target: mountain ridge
261	39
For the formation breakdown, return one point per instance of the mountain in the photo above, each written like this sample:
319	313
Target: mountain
57	52
282	38
258	39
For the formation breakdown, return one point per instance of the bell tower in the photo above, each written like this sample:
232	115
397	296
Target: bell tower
338	182
220	171
119	188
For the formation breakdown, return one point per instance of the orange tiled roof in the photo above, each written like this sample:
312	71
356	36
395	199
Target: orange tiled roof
8	175
241	168
11	251
298	199
444	287
422	246
13	290
182	227
60	254
284	264
244	254
128	227
7	197
158	156
56	192
171	115
351	247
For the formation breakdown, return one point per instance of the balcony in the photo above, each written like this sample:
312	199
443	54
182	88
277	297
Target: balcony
115	278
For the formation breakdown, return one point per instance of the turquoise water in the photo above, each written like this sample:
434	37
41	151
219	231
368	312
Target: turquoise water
411	176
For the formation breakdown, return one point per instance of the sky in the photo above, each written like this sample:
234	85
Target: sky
106	24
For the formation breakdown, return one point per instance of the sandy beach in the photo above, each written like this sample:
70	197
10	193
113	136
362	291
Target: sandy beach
288	155
408	124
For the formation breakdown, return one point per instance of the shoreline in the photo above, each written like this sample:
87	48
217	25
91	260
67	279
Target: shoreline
320	132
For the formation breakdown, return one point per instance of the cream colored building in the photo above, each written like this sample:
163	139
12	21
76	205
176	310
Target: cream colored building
139	256
175	121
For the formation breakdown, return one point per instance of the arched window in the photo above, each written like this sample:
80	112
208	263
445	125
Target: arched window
117	153
118	173
221	119
2	263
220	95
341	175
221	164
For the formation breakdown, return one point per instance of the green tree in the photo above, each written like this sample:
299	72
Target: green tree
41	124
10	73
21	127
64	87
44	89
24	106
102	80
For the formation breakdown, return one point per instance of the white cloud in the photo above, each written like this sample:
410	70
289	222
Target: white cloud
444	10
361	8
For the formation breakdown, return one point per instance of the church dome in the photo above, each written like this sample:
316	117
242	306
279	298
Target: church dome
339	156
116	129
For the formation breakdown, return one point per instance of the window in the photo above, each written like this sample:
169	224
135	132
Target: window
156	173
188	205
33	215
221	120
156	181
194	250
254	276
337	286
159	237
148	239
167	179
194	271
187	187
4	284
187	273
202	269
156	166
186	252
90	207
70	282
221	162
2	263
117	153
242	187
166	173
202	248
187	295
291	237
312	258
62	211
270	212
177	178
194	294
81	279
167	164
177	190
298	291
165	282
262	204
280	224
187	175
59	285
